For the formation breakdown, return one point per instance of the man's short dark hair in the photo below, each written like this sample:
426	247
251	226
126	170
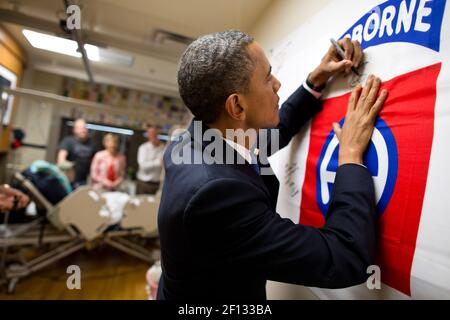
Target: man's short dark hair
213	67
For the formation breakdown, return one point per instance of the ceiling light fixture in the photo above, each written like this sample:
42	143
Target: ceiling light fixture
69	47
98	127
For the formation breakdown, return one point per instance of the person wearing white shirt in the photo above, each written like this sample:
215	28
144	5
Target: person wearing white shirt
149	159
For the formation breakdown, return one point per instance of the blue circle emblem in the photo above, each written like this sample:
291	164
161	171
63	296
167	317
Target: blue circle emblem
380	158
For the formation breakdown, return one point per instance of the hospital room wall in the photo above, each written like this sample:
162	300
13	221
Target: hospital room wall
280	19
42	121
36	118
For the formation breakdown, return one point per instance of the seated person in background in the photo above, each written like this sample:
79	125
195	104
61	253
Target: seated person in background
108	166
150	160
53	181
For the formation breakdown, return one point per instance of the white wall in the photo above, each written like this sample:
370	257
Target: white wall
35	117
283	16
277	21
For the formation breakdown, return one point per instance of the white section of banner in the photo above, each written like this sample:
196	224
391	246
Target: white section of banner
431	265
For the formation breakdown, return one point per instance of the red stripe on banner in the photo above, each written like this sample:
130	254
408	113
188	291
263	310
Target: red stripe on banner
409	113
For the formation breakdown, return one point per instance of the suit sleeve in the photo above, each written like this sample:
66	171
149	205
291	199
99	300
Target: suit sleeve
231	224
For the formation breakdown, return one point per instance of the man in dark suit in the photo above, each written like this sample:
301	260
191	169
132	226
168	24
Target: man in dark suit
220	235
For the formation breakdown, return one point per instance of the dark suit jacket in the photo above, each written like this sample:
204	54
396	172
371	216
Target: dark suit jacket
222	239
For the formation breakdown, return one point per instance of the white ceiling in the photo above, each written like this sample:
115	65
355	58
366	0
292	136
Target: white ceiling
129	26
188	17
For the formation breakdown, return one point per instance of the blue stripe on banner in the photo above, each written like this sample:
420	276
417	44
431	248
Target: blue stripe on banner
413	21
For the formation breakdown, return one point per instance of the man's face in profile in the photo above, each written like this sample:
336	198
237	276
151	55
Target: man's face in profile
262	98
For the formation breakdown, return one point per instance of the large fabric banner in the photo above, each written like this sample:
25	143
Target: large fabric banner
405	43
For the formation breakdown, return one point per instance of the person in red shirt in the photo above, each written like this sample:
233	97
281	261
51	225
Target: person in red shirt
108	166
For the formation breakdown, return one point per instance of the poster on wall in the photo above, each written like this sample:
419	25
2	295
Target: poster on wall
406	44
7	79
163	110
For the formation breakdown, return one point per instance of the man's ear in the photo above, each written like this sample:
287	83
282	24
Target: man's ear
234	108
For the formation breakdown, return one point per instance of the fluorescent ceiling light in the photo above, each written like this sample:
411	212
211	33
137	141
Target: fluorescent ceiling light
59	45
69	47
92	52
162	137
97	127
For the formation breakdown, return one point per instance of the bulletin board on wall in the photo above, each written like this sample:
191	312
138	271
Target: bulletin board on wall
162	111
406	44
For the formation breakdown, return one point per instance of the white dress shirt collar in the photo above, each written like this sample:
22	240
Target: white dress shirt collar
243	151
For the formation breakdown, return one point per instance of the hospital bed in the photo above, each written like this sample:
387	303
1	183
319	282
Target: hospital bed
78	221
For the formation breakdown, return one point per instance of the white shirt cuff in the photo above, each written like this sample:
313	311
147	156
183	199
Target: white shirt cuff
359	164
313	92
